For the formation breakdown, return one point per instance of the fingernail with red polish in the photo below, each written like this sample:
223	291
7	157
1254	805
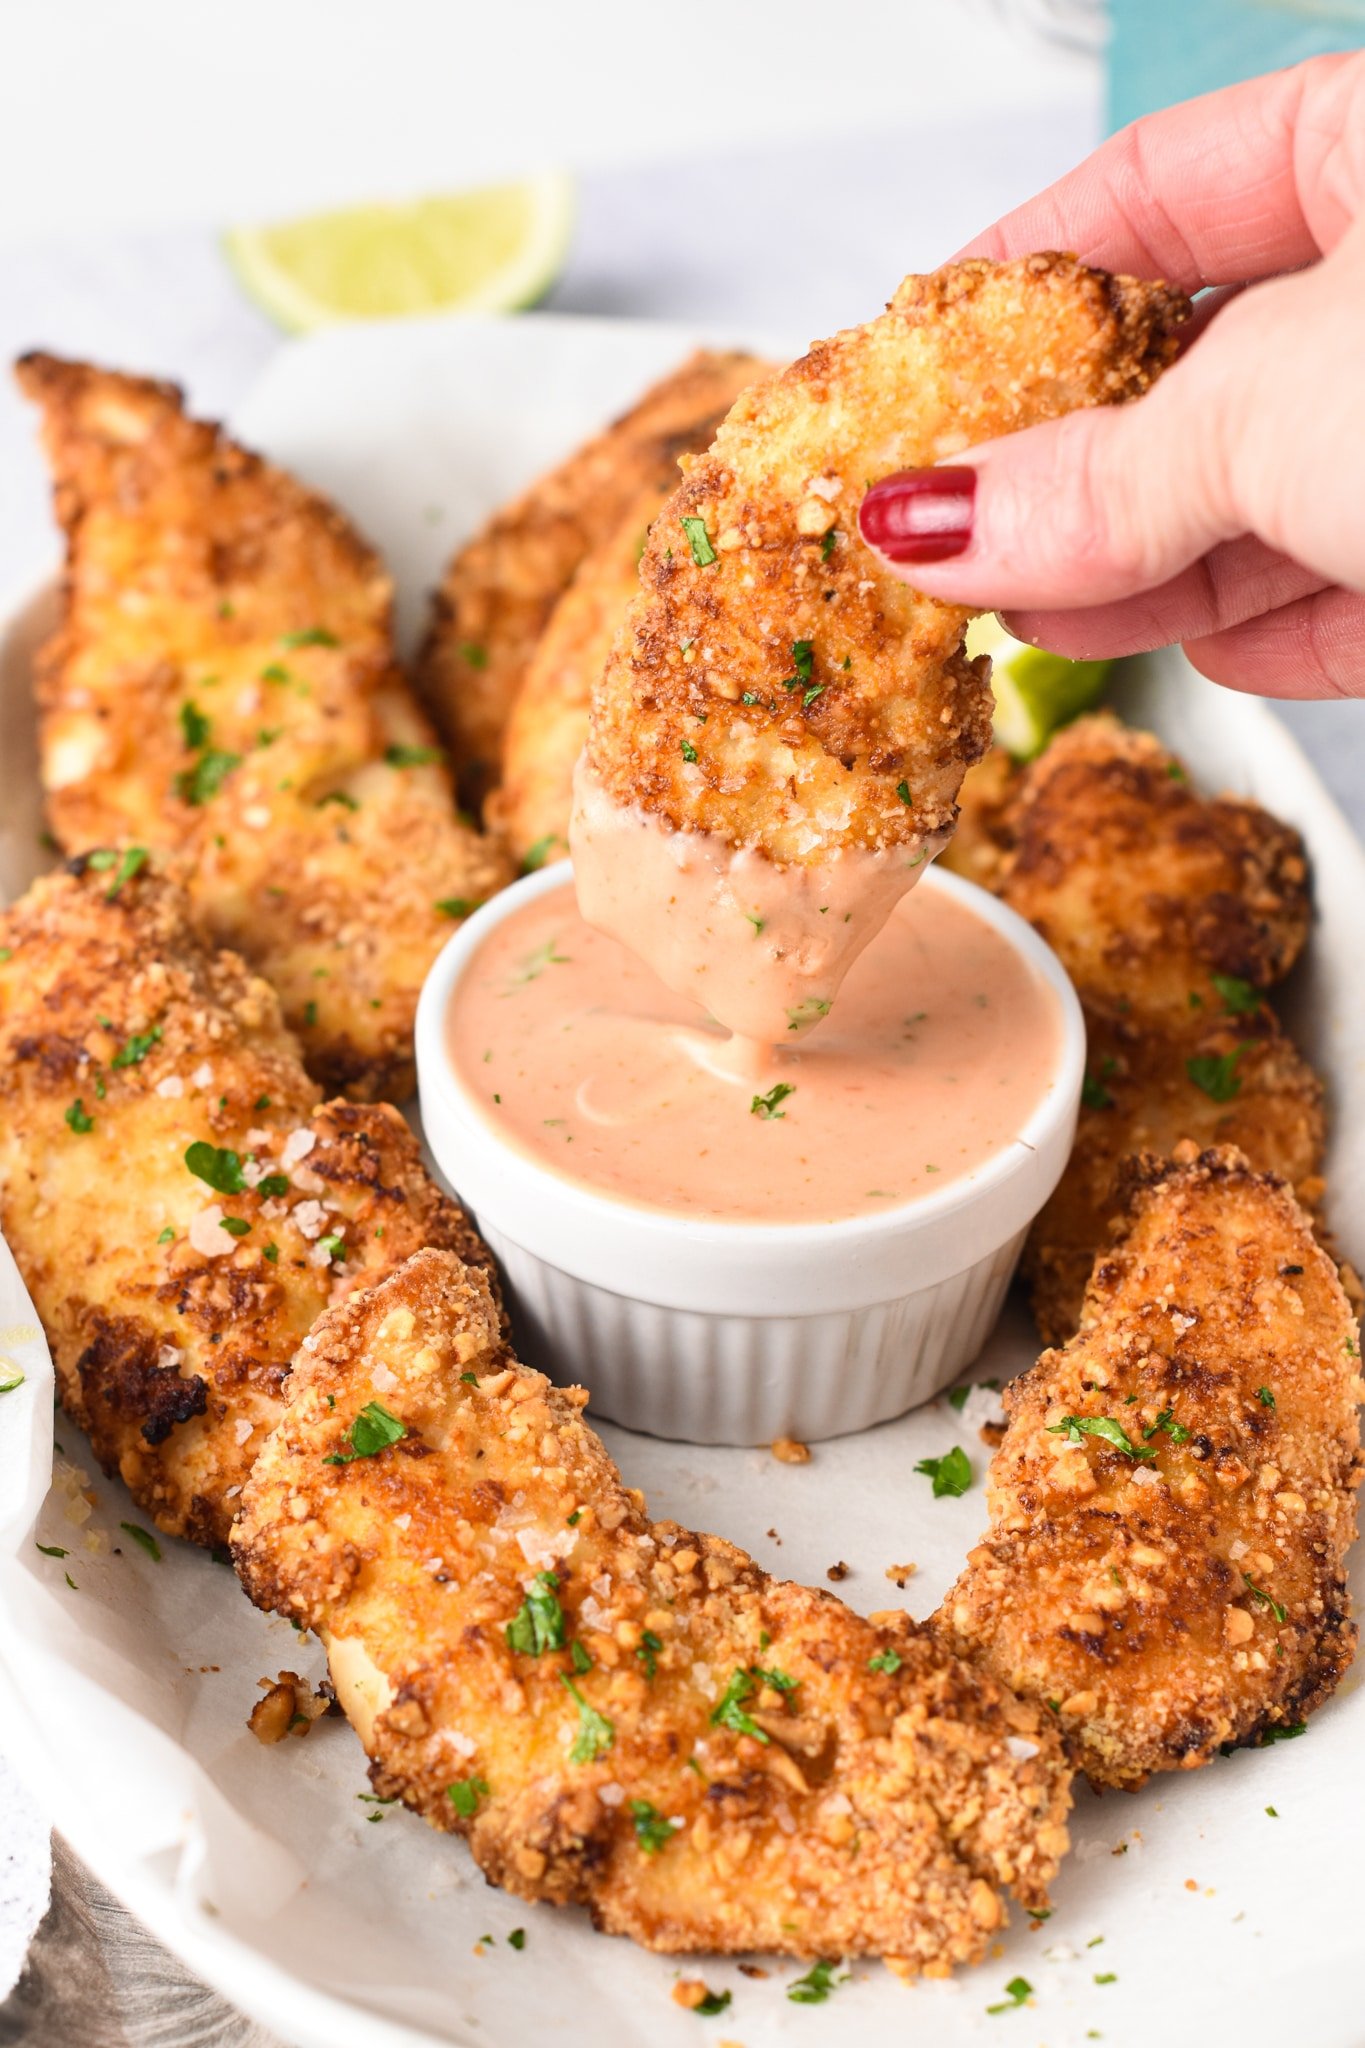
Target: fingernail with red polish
919	515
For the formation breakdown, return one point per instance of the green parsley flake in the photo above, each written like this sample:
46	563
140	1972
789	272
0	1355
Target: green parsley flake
703	554
689	752
903	792
77	1117
137	1048
235	1226
333	1244
1095	1095
650	1644
337	796
1106	1977
1216	1074
53	1550
196	785
765	1106
1270	1809
808	1012
271	1252
714	2001
579	1657
459	906
1281	1614
373	1430
11	1377
133	860
465	1794
165	1236
536	855
474	656
1265	1397
412	757
145	1538
803	659
728	1711
889	1661
595	1732
1239	998
310	1013
652	1831
219	1167
310	636
951	1474
538	1624
1283	1732
1176	1431
1017	1992
814	1988
827	542
195	727
1074	1427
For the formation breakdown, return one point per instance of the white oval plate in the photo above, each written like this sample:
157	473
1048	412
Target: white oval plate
126	1694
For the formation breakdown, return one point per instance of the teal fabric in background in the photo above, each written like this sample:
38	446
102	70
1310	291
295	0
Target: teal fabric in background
1161	51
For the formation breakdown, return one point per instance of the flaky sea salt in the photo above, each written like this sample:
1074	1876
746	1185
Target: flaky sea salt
207	1234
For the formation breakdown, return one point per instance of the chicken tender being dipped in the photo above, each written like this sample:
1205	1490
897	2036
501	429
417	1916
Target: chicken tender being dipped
613	1711
780	733
180	1203
500	588
1175	1494
1172	913
223	687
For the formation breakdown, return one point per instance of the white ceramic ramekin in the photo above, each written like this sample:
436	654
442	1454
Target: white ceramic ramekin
728	1333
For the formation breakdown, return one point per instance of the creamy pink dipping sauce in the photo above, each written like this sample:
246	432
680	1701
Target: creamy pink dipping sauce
942	1044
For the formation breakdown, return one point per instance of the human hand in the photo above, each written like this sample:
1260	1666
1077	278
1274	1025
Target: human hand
1226	509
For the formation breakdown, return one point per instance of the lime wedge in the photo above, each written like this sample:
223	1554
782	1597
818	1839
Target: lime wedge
491	250
1035	693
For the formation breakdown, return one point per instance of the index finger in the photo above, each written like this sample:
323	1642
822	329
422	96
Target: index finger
1240	184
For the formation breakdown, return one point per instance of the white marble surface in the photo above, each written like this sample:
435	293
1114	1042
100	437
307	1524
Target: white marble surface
791	236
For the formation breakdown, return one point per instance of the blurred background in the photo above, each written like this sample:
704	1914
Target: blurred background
768	167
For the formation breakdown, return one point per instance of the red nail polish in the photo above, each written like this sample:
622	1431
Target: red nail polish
919	515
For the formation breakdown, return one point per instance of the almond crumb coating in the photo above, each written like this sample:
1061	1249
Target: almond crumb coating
500	588
1172	913
774	684
223	687
124	1041
1190	1591
618	1712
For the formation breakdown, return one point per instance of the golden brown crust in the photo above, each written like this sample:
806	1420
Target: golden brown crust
124	1040
1170	912
784	690
843	1810
1173	1603
223	688
980	843
500	587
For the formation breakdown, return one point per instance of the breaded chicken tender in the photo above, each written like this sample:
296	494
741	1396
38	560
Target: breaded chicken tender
708	715
548	725
1171	913
613	1711
1174	1497
500	588
223	687
980	840
179	1201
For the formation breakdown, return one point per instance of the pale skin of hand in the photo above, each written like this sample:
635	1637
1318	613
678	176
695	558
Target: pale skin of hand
1226	509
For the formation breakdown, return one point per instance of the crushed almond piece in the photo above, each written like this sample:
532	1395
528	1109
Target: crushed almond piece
901	1574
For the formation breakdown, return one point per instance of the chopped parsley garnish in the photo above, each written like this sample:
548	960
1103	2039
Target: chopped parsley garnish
814	1988
538	1624
1216	1073
579	1657
474	656
689	752
235	1226
373	1430
458	906
1017	1992
1283	1731
1095	1095
219	1167
333	1244
757	922
536	963
595	1732
338	796
165	1236
536	856
196	785
888	1661
750	697
271	1252
1272	1811
808	1012
951	1474
195	727
803	660
77	1117
1074	1427
728	1711
766	1105
310	1013
1239	998
412	757
275	672
137	1048
1281	1614
1106	1977
827	541
1265	1397
903	792
698	539
713	2002
650	1646
465	1794
517	1938
652	1831
310	636
53	1550
133	858
809	696
144	1537
1176	1431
